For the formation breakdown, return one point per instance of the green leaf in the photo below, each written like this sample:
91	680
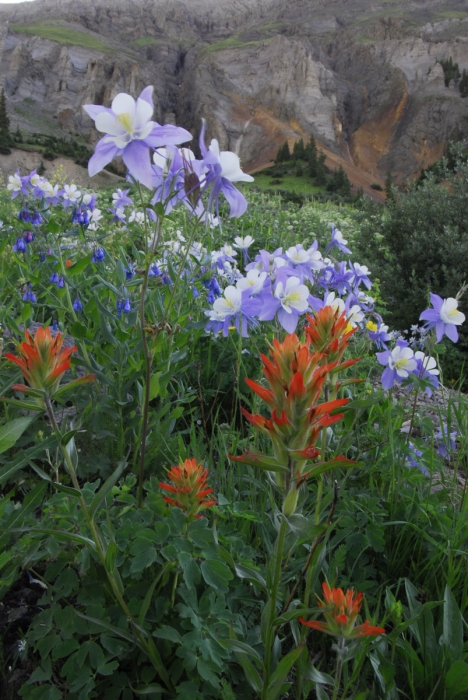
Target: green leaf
154	385
32	500
149	594
252	576
59	534
169	633
78	330
452	635
148	689
240	648
23	458
53	225
111	554
60	487
320	692
79	266
118	631
216	574
312	674
107	487
456	679
278	678
302	527
361	403
12	431
295	614
26	405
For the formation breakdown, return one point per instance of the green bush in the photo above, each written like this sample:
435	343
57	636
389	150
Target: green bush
419	244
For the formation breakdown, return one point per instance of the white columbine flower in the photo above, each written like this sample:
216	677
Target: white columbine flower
298	255
335	302
429	363
230	164
402	361
243	243
449	312
355	315
254	281
293	296
14	183
227	249
229	304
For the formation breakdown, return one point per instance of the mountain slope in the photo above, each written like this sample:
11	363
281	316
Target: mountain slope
364	79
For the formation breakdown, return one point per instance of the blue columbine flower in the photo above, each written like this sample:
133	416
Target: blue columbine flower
444	317
400	363
337	241
98	255
130	133
223	168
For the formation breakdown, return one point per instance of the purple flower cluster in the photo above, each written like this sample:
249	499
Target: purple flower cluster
175	174
279	285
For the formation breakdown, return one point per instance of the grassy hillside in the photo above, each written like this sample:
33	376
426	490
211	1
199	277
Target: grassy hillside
63	35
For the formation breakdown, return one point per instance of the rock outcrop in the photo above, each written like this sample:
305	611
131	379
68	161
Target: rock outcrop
364	80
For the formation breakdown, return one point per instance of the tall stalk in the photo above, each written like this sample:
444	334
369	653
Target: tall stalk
272	605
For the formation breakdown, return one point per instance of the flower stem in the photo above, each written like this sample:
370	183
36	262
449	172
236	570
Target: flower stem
339	668
272	603
147	356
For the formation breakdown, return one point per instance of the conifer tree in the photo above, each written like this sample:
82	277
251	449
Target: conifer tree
310	152
321	174
464	84
5	136
298	150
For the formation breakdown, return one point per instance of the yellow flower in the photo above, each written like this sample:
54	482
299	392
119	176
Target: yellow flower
371	326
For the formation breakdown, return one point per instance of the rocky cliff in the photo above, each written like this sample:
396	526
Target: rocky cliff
363	78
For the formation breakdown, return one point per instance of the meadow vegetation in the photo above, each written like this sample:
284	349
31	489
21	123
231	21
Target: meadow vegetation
218	477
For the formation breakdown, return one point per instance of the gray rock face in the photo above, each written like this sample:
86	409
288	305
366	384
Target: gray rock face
363	79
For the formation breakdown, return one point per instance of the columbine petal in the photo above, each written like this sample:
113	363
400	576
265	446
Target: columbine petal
237	202
136	158
108	123
143	113
167	135
104	152
124	104
147	95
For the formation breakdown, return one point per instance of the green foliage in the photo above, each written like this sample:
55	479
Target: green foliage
5	136
463	85
420	245
451	70
197	619
62	35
